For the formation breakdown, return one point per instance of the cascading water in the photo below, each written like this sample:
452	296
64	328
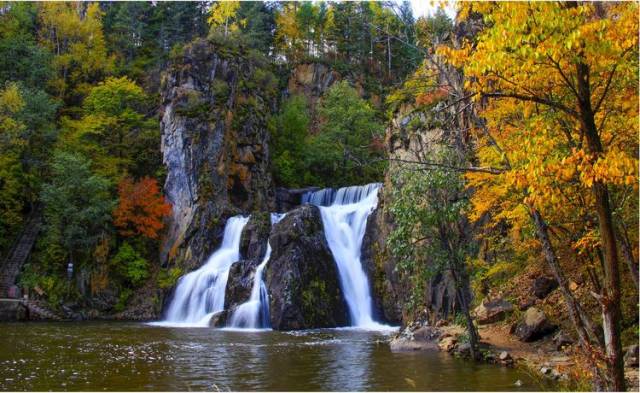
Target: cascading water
200	294
344	216
254	313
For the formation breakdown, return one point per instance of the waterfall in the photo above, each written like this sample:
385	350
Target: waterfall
344	216
200	294
254	313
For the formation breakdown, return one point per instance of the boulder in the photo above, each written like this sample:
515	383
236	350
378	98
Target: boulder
490	311
290	198
253	240
424	338
533	326
426	333
542	286
301	276
631	356
240	282
219	319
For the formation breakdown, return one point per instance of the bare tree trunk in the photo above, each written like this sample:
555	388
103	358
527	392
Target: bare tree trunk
586	332
610	297
627	253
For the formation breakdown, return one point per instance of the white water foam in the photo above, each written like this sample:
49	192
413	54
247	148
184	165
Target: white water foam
200	294
344	216
254	313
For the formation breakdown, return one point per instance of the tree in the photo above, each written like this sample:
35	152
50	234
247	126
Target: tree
115	130
11	175
348	129
77	205
558	78
73	33
431	234
141	208
289	132
222	13
21	58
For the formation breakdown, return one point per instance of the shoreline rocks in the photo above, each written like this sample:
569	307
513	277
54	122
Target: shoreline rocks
533	326
492	310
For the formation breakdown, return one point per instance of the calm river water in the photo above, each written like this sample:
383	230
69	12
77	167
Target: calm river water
133	356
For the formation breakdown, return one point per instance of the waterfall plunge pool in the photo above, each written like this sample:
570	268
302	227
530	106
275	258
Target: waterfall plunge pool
127	356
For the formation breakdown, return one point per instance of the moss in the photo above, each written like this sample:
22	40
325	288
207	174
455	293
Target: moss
314	301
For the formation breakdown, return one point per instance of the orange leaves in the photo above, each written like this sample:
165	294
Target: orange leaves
141	208
432	96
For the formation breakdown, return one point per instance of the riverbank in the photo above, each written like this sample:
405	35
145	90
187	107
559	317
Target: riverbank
543	359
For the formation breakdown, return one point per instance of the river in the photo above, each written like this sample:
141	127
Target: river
127	356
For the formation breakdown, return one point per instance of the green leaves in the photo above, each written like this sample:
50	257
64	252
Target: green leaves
130	265
77	203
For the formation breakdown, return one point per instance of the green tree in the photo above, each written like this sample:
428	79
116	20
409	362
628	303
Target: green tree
11	175
78	205
345	142
130	265
21	58
115	131
431	234
289	131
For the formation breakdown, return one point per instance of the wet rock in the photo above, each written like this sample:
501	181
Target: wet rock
533	326
290	198
301	276
631	356
240	282
542	286
561	340
426	333
490	311
463	349
380	269
253	240
424	338
219	319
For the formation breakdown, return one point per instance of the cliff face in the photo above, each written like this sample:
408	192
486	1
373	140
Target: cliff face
215	103
418	133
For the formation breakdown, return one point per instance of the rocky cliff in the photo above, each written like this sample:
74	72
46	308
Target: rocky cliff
417	132
215	103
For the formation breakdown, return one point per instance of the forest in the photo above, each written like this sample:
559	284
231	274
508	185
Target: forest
488	152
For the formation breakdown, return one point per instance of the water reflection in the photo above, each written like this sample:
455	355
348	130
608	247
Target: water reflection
126	356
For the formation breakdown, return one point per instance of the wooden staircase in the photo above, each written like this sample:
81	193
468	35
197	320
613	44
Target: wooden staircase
19	254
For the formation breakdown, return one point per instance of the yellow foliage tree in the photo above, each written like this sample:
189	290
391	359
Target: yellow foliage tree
73	32
221	14
557	84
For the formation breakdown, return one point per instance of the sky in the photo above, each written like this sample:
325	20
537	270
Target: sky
428	7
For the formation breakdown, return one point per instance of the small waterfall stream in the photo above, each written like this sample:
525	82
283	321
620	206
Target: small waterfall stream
201	293
254	313
344	216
